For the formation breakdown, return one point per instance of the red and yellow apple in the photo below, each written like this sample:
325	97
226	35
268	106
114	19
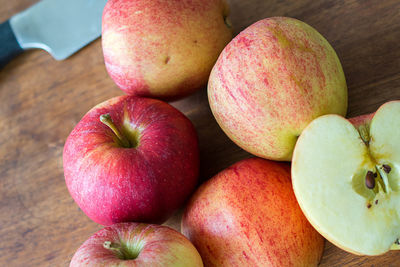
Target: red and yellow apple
247	215
133	244
270	81
131	159
163	49
346	178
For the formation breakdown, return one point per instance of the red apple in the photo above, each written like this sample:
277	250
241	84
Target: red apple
140	163
133	244
270	81
163	49
247	215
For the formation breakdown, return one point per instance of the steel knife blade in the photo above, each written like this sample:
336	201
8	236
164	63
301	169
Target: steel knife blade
61	27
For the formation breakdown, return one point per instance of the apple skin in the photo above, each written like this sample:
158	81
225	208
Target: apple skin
148	183
270	81
247	215
163	49
158	246
361	120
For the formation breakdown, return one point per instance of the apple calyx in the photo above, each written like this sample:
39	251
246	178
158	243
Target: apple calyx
121	251
121	139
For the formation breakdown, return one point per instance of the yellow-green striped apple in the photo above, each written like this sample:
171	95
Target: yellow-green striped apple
134	244
270	81
346	177
131	159
163	49
247	215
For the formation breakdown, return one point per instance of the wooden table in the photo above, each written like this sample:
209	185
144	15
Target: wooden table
41	100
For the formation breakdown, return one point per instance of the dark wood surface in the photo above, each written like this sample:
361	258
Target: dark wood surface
41	100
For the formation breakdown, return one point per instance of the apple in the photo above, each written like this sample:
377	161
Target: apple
163	49
347	178
247	215
135	244
131	159
270	81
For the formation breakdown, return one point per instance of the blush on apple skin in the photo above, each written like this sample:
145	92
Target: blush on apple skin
144	184
156	246
247	215
163	49
362	120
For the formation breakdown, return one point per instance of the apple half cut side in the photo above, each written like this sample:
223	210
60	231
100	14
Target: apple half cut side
346	178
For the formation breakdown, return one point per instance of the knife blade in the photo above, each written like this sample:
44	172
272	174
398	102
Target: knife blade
58	26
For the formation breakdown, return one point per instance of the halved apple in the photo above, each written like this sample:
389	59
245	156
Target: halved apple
346	178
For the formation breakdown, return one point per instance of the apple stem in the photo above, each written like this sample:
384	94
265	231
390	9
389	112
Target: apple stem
119	250
106	119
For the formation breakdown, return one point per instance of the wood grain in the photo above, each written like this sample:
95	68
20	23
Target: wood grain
41	100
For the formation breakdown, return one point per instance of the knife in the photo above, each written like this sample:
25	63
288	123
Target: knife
61	27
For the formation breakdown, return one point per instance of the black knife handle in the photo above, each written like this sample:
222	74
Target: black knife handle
9	46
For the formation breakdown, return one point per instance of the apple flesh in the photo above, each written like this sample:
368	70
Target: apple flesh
347	179
131	159
247	215
270	81
163	49
134	244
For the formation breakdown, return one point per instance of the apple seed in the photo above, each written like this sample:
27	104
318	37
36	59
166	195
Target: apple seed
369	205
386	168
369	180
376	202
